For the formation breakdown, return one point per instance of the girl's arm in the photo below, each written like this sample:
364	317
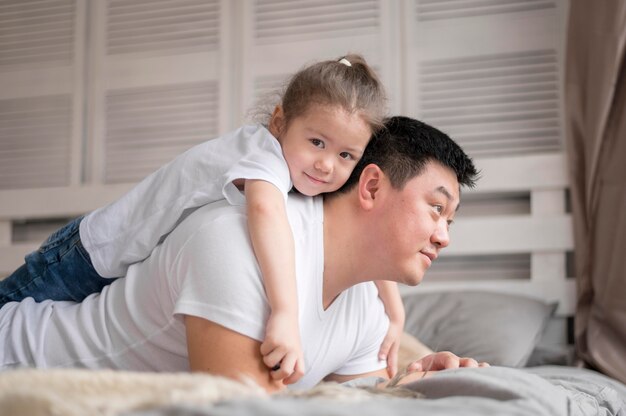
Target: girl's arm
390	294
273	245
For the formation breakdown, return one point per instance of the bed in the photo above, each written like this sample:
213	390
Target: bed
512	386
506	297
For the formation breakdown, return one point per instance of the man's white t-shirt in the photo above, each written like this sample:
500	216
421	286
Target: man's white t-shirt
125	231
205	267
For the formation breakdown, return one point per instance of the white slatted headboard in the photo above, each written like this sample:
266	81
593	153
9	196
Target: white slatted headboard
53	206
512	233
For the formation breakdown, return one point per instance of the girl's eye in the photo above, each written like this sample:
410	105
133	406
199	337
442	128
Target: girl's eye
438	209
317	143
345	155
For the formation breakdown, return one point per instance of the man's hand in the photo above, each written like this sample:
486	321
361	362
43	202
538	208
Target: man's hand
389	348
281	349
432	363
442	361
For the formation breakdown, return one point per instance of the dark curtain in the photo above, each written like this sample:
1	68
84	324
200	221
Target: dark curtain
595	114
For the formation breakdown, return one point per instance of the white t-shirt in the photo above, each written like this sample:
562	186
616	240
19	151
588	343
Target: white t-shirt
205	267
125	231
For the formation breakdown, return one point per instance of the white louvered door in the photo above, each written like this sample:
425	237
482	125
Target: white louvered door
280	37
161	83
488	72
41	92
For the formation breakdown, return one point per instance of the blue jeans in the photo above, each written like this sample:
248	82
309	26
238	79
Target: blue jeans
60	269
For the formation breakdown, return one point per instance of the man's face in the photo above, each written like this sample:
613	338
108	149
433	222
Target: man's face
415	223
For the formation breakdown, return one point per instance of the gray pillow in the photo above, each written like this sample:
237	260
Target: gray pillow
500	329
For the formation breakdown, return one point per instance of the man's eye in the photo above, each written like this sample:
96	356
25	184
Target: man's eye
317	143
346	156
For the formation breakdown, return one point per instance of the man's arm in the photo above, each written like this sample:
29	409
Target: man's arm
339	378
383	374
220	351
417	370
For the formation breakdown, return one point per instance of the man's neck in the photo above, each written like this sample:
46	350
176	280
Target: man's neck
341	250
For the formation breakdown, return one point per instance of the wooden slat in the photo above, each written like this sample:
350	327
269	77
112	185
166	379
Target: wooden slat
562	291
313	19
5	232
510	234
163	27
12	256
495	104
427	10
57	202
520	173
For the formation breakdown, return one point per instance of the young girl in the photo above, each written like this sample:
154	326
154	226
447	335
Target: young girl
311	144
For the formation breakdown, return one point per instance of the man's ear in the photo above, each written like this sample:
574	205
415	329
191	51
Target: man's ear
370	183
277	122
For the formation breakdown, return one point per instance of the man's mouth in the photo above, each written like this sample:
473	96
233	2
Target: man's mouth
430	256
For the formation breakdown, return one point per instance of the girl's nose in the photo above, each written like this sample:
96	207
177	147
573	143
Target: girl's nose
323	164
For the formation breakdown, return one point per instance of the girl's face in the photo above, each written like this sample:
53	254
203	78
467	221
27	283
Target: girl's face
321	147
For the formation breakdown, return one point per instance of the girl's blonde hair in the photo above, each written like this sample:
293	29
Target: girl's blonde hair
348	82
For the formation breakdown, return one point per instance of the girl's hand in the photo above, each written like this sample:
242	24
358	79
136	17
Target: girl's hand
281	349
389	348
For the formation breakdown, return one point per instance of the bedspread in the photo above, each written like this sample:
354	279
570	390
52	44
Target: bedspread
554	391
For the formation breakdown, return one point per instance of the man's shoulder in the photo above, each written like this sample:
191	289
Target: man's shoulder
215	213
304	209
220	224
218	219
298	206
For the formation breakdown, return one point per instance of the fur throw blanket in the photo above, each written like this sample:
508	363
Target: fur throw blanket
75	392
106	392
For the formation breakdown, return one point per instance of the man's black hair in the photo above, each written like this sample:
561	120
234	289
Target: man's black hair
404	147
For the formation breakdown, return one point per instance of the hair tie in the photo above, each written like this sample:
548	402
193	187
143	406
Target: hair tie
345	62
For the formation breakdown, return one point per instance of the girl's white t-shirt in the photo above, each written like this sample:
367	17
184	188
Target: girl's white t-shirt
127	230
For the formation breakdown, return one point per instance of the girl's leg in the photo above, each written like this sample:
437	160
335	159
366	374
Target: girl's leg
59	270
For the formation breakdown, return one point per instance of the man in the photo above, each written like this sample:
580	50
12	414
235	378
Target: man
198	301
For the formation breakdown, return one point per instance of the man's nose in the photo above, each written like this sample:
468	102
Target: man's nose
441	236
